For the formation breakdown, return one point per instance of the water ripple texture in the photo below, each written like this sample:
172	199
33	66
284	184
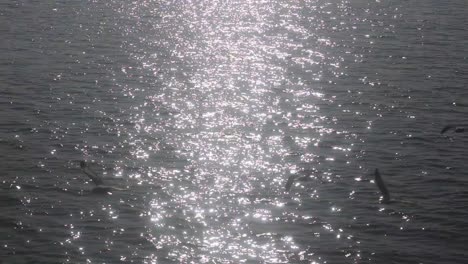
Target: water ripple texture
233	131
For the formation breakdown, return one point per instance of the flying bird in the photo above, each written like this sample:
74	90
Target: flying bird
381	185
100	187
457	129
91	174
290	182
302	176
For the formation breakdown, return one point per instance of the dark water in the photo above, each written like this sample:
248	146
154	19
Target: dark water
201	110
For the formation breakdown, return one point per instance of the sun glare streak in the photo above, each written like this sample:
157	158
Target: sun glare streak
219	103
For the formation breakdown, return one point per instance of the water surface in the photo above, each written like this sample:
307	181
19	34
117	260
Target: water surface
201	110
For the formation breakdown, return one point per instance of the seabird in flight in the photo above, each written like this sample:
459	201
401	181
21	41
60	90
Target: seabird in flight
457	129
100	187
383	189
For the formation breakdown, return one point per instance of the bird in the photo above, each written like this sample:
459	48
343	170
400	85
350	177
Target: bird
457	129
303	175
383	189
293	178
91	174
100	187
289	182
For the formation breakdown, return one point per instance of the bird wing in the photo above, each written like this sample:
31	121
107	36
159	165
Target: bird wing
383	189
446	128
91	174
290	182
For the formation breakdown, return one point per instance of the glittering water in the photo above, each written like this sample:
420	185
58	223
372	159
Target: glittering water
199	112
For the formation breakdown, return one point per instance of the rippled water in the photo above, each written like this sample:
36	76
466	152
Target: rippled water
201	110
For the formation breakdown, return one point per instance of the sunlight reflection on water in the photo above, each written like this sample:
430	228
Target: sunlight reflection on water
233	114
198	113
